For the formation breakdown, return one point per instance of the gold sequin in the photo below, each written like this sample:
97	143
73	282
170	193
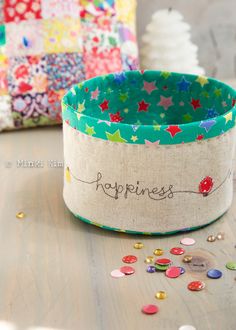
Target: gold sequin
158	252
149	260
20	215
211	238
138	245
161	295
220	236
187	258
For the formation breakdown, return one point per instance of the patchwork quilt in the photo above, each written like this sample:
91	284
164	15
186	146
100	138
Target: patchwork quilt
48	45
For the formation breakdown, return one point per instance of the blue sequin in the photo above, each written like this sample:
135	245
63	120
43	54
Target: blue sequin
214	273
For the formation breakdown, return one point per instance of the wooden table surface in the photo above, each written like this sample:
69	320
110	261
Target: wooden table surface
55	270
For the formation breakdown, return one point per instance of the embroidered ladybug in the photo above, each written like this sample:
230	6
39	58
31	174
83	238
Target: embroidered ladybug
206	185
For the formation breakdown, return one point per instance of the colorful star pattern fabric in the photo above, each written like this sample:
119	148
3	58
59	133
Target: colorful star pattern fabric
143	106
127	107
149	87
165	102
47	46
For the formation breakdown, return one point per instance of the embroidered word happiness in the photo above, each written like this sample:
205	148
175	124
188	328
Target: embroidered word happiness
117	190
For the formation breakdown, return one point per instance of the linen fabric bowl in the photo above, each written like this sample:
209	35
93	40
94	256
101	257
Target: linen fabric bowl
149	152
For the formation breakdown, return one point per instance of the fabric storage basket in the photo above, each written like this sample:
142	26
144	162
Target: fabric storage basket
149	152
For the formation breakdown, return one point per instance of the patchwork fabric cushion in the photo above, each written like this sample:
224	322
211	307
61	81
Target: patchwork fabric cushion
46	46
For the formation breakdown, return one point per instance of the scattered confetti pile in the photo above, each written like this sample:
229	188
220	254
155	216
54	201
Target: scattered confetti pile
166	266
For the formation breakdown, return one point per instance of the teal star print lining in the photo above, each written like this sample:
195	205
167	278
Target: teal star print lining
150	107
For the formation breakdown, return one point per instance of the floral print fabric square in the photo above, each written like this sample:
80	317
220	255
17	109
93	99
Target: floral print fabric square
28	75
1	12
31	110
62	36
18	10
60	8
25	38
99	63
93	9
3	75
46	46
6	120
64	71
100	38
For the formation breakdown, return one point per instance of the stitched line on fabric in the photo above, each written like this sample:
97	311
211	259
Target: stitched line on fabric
124	190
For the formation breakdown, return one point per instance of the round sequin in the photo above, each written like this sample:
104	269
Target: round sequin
182	270
116	273
150	309
151	269
127	270
163	261
129	259
149	260
20	215
196	286
158	252
231	265
187	327
187	258
161	267
220	236
187	241
211	238
173	272
138	245
161	295
214	273
177	251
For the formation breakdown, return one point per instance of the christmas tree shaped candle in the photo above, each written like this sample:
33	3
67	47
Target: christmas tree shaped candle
167	44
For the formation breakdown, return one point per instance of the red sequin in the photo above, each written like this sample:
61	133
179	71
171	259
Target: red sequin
129	259
163	261
127	270
177	251
150	309
196	285
173	272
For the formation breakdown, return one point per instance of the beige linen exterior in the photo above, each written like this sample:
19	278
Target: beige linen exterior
182	166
